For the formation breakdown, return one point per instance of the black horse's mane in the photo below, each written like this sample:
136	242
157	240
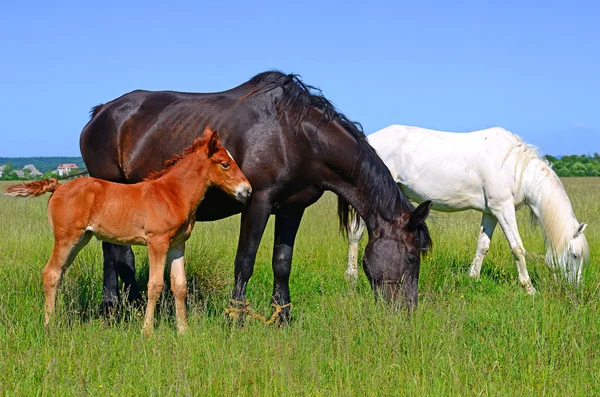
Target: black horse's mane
375	184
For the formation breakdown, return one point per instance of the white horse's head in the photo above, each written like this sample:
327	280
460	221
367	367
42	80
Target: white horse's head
574	256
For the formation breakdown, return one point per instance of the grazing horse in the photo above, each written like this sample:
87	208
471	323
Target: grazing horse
492	171
159	212
292	145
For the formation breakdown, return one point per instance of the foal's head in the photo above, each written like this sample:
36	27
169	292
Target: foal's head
223	172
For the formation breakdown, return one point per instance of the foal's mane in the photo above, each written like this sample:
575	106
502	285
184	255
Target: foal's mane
374	181
198	142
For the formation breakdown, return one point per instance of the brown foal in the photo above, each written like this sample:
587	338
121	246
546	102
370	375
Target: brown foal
159	212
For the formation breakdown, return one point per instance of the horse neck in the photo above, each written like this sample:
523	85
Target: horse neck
188	179
359	176
548	200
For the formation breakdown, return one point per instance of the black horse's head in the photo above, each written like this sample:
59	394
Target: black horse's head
349	166
393	255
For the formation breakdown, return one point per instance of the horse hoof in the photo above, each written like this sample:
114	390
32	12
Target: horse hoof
351	276
236	312
147	331
182	330
108	308
530	290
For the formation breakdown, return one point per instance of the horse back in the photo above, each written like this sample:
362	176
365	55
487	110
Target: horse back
123	129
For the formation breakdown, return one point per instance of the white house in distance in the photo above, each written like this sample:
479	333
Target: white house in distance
65	169
28	171
34	172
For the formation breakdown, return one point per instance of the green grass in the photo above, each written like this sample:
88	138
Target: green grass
468	337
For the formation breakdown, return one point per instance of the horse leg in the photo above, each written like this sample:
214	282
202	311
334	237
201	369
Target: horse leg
355	233
110	287
118	259
508	222
286	227
488	224
252	227
157	254
125	265
63	253
179	285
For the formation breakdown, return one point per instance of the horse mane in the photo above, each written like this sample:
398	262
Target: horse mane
95	110
375	184
555	206
198	142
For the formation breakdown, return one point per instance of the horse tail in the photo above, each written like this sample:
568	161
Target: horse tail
343	215
32	189
348	217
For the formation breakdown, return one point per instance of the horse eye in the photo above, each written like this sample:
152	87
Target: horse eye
225	165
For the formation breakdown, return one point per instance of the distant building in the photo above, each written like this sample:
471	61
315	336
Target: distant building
2	170
66	169
34	171
20	173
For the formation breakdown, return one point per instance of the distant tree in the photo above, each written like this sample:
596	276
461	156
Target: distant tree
9	172
48	174
577	169
561	170
9	168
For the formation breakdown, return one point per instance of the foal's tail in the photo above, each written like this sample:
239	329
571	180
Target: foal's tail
32	189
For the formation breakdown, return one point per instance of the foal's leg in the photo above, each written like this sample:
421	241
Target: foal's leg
65	250
178	285
286	227
157	254
508	222
488	224
355	233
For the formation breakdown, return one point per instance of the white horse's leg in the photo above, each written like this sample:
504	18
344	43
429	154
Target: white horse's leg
355	232
488	224
508	222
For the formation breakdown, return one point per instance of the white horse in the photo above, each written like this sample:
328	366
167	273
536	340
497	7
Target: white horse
492	171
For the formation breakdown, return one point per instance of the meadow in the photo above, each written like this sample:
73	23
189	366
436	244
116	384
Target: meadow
468	337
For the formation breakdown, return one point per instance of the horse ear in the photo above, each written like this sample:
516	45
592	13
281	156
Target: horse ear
580	229
207	132
419	215
213	144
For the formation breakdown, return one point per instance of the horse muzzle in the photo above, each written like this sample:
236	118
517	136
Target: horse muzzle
243	193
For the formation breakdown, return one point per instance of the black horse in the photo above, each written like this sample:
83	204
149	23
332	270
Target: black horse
292	145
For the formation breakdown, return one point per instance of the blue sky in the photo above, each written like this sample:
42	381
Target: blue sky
529	66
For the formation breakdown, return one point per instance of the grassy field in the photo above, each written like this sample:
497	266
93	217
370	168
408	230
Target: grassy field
468	337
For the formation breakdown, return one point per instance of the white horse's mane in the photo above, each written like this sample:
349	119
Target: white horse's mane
555	209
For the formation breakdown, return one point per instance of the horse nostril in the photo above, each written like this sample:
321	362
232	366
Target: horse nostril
248	192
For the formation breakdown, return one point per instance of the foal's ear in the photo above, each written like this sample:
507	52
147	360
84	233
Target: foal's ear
207	132
213	143
419	215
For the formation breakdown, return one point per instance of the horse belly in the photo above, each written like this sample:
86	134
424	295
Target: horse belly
448	188
117	234
119	224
